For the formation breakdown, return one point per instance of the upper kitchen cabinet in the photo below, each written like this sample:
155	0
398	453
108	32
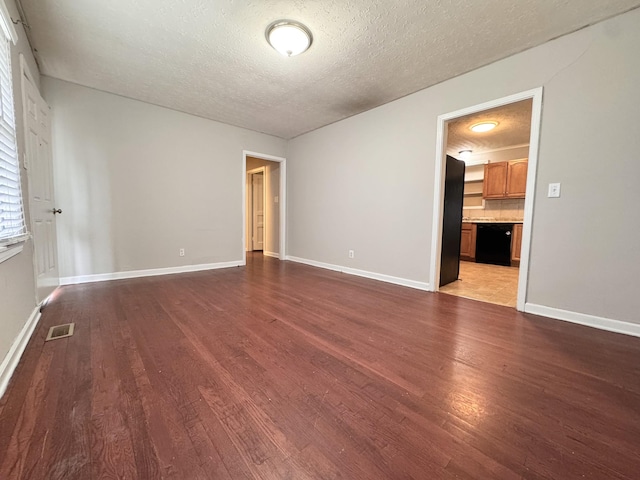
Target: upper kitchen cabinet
517	178
505	179
495	180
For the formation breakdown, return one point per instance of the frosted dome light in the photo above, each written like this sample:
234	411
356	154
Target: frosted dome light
483	127
289	38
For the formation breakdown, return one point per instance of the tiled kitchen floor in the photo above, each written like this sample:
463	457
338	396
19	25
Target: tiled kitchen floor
487	283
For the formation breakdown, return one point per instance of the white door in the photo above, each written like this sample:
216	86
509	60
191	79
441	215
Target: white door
257	217
42	206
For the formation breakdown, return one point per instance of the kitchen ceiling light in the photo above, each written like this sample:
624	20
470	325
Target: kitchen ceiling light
483	127
465	154
289	38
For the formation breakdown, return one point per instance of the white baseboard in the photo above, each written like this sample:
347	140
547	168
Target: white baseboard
363	273
12	358
103	277
602	323
270	254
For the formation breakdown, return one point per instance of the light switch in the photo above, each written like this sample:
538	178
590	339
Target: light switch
275	199
554	190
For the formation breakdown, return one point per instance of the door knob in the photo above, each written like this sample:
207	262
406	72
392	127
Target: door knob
57	210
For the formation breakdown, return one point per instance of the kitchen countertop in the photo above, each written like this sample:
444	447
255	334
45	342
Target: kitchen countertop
490	220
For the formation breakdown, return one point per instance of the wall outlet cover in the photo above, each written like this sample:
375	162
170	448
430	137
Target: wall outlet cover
554	190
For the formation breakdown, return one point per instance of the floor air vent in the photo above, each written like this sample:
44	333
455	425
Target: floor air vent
60	331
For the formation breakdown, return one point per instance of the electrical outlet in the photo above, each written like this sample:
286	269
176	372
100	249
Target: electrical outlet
554	190
181	252
351	254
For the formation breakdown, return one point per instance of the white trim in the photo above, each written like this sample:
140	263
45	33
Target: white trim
438	202
6	23
472	163
501	149
282	200
7	252
602	323
152	272
8	242
14	354
363	273
532	168
270	254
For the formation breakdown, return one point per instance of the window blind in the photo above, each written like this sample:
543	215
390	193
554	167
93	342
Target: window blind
12	221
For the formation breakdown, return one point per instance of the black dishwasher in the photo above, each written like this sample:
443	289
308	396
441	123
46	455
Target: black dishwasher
493	243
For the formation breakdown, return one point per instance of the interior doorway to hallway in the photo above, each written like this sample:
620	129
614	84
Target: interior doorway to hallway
264	190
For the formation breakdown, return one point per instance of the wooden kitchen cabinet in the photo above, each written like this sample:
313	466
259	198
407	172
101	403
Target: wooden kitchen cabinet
468	242
505	179
495	180
516	178
516	244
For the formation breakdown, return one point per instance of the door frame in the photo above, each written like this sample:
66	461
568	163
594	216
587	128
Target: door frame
282	201
249	223
438	198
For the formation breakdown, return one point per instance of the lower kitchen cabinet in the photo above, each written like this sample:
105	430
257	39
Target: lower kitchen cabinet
468	242
516	244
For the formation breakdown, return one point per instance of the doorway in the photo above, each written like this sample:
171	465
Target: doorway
499	186
264	205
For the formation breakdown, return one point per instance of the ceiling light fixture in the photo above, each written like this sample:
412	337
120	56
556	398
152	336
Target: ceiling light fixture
288	37
465	154
483	127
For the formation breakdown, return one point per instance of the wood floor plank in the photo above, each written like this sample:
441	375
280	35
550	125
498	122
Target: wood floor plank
111	439
26	432
174	419
279	370
72	416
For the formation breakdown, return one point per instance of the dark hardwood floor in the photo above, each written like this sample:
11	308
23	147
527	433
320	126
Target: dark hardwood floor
284	371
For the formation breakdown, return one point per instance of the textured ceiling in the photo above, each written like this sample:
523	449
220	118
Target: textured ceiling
514	128
210	57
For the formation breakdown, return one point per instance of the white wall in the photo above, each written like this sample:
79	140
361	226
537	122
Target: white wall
138	182
366	183
17	288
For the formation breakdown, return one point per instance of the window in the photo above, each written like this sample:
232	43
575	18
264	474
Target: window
12	221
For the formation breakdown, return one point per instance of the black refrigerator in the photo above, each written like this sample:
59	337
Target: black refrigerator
452	221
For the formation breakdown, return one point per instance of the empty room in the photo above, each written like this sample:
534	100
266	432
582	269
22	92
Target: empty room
319	240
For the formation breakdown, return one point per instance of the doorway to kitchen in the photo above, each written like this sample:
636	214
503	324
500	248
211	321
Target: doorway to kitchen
263	209
483	215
